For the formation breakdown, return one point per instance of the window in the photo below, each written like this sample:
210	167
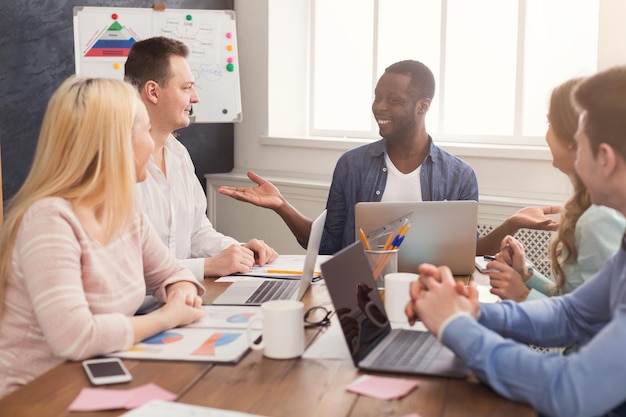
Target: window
495	62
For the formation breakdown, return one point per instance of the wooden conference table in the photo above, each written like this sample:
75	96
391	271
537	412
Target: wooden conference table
257	385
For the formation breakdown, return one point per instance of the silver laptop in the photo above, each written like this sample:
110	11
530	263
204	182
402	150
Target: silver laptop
372	343
441	233
257	292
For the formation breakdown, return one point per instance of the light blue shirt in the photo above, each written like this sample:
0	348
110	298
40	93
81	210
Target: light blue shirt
361	175
587	383
598	235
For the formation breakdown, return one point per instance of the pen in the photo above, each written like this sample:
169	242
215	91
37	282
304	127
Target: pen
401	234
489	258
398	243
394	242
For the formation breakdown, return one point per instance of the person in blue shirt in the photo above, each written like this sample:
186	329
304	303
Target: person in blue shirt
405	165
587	235
492	338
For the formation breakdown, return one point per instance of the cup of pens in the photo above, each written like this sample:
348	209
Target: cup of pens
384	259
383	262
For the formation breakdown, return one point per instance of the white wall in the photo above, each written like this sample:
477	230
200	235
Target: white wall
509	177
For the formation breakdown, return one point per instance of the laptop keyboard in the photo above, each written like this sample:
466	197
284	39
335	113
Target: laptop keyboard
273	290
409	350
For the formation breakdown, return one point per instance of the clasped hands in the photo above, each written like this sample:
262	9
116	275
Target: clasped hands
436	296
183	305
509	272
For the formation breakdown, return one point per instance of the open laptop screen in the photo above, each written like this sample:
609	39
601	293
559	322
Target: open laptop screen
366	329
358	304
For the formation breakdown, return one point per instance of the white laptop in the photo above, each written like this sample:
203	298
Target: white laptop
441	232
256	292
372	343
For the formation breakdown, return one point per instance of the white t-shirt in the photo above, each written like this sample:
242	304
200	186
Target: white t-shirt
402	187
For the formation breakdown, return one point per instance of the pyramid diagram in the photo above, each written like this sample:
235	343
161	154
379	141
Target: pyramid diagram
114	41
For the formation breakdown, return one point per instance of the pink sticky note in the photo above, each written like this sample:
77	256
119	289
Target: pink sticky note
95	399
382	387
145	393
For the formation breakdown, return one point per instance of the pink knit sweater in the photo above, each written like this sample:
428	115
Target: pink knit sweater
70	297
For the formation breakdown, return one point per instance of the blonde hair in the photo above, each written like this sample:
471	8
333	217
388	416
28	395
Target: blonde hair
84	154
563	118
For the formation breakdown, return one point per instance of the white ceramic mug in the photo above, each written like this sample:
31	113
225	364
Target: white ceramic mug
397	294
282	330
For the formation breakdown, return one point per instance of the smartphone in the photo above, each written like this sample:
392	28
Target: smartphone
106	371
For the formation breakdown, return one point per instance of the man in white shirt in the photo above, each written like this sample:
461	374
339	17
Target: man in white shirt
172	196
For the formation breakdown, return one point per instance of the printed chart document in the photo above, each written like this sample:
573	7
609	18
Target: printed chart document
159	408
220	336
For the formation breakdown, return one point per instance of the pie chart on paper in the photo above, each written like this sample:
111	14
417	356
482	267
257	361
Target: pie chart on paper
240	318
163	338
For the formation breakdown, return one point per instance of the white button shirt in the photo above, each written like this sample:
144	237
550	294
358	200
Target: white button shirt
176	205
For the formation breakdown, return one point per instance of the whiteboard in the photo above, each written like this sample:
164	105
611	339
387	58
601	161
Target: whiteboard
103	36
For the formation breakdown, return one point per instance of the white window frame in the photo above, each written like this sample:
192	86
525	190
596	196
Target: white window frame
516	138
287	120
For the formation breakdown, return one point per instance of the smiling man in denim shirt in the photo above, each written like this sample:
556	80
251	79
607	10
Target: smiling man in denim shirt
405	165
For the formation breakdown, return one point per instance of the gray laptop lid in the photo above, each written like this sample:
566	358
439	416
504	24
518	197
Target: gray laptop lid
364	322
239	292
441	233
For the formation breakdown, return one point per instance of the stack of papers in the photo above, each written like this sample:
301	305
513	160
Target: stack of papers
286	267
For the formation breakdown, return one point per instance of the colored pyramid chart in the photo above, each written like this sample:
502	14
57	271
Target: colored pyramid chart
114	41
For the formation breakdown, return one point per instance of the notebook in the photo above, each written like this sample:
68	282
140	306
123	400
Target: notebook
373	345
441	232
258	291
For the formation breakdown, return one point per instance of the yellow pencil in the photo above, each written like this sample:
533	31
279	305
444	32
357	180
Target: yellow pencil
288	272
388	242
364	239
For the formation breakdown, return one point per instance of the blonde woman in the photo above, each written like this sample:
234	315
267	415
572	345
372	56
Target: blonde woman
587	235
76	254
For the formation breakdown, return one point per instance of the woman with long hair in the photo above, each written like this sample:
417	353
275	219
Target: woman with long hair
77	256
587	235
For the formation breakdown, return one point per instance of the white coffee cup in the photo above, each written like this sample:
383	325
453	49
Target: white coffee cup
282	330
397	294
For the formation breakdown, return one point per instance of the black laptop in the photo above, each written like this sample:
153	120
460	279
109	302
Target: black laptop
372	343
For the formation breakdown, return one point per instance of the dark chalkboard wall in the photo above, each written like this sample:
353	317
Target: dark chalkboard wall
37	54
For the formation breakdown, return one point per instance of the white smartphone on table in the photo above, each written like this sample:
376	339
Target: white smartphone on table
103	371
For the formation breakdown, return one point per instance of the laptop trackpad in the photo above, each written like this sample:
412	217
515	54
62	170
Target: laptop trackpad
238	291
448	364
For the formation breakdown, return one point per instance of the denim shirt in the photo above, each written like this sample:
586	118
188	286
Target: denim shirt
361	175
